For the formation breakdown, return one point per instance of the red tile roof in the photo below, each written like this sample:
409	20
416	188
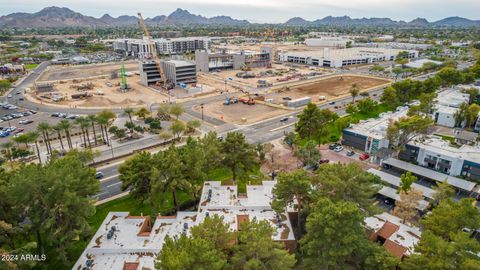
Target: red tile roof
130	265
395	249
387	230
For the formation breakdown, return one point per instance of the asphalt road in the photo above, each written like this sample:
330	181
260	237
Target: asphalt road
261	132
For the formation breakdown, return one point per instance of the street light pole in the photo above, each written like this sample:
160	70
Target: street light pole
111	148
201	106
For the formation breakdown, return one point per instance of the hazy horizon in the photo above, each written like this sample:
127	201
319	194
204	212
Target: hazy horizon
265	11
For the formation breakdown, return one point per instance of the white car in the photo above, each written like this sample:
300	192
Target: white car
338	148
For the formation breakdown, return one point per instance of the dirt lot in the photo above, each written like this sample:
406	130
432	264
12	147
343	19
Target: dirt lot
56	73
235	112
104	95
275	75
331	88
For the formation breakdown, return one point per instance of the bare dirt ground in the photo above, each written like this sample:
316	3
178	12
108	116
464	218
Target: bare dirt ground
235	112
57	73
272	75
103	95
330	88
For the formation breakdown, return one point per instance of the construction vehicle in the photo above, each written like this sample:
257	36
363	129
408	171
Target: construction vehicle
230	100
153	50
248	100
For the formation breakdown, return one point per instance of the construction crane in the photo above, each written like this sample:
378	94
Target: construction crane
153	50
124	86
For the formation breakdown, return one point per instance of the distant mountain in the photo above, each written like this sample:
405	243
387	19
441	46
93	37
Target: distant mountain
419	22
457	22
64	17
49	17
347	21
297	21
120	21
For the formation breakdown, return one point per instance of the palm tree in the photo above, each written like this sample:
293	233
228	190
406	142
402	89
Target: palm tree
7	146
45	128
93	119
354	91
59	129
33	137
129	112
83	123
67	126
103	122
105	116
22	139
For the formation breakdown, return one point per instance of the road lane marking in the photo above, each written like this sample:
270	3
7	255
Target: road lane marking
282	127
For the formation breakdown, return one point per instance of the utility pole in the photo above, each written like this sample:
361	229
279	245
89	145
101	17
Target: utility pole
201	106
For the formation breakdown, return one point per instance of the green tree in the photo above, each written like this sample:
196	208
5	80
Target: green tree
66	126
472	94
450	217
56	199
142	113
347	182
136	174
255	249
334	235
192	125
449	76
238	155
176	110
308	154
129	111
166	135
194	168
389	97
177	128
406	181
366	105
443	191
45	129
354	91
293	188
312	122
402	131
406	206
212	147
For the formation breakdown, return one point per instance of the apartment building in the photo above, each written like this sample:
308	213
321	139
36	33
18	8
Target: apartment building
133	242
343	57
140	47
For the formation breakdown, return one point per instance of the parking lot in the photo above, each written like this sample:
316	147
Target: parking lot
341	156
23	120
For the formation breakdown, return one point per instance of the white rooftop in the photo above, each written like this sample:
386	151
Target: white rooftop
452	97
419	63
406	236
131	241
347	53
392	194
377	127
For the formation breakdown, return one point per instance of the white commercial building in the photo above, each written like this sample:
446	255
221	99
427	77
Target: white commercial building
343	57
395	45
327	41
133	242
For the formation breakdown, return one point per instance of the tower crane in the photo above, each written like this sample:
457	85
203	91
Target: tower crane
153	50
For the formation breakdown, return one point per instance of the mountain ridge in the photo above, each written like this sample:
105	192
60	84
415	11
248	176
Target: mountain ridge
52	17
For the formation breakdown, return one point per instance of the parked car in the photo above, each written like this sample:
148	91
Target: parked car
339	148
18	130
350	153
287	98
364	156
322	161
25	121
331	102
284	119
4	134
99	175
332	146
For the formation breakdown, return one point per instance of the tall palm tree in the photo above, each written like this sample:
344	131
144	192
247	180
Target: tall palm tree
354	91
83	123
105	116
67	126
7	146
129	112
33	137
93	119
59	130
103	122
45	128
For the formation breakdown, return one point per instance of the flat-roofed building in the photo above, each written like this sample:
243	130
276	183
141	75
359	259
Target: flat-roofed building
133	242
343	57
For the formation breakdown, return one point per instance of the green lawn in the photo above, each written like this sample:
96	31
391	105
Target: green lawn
31	66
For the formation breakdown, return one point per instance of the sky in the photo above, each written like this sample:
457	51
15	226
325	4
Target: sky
262	11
